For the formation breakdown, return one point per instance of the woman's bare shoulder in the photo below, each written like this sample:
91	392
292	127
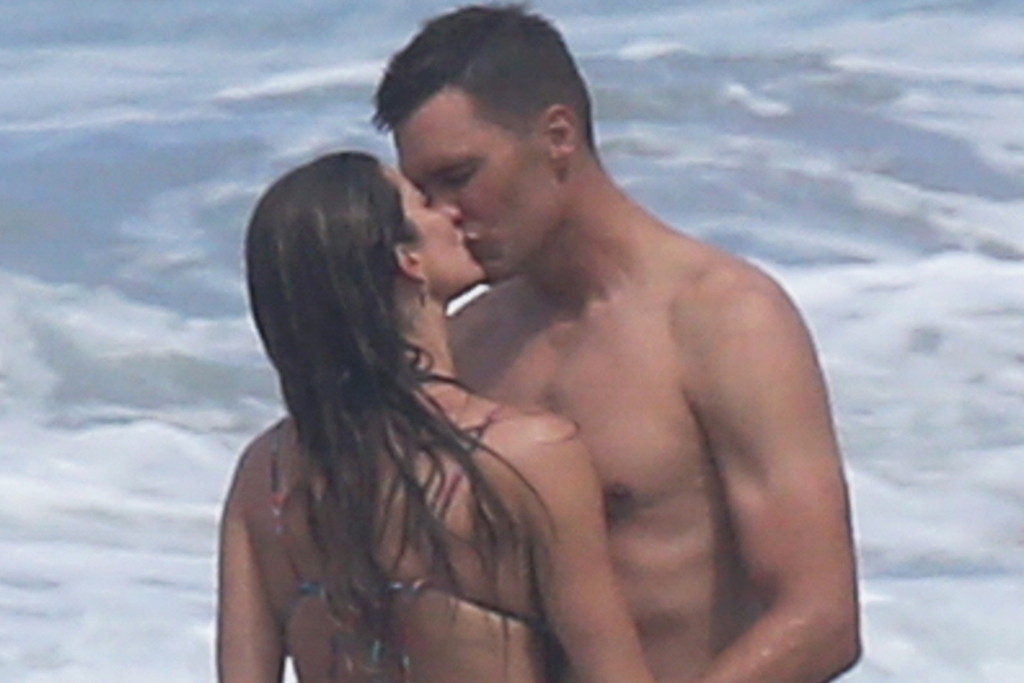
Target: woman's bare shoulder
542	447
251	481
518	432
519	428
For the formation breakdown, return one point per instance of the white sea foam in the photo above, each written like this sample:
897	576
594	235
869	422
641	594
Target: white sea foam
644	50
113	468
738	93
365	73
925	367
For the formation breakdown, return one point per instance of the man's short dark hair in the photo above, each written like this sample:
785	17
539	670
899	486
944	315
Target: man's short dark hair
513	63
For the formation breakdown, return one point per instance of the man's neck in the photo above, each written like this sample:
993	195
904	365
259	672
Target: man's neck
595	250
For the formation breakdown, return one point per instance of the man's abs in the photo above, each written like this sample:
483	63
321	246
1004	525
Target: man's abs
676	565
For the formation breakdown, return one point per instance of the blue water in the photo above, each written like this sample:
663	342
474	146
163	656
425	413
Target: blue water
867	153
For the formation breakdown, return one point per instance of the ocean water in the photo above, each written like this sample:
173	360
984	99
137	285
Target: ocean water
869	153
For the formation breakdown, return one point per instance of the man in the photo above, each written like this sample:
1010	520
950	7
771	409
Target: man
689	372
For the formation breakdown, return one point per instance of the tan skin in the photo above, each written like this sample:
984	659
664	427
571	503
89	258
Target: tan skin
260	623
694	383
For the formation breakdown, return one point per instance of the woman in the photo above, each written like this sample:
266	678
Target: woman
395	527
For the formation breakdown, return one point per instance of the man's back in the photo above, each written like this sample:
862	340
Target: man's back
635	370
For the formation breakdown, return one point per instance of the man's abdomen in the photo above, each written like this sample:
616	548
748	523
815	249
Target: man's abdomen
679	572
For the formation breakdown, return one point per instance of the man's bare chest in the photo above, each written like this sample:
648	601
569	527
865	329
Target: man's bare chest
625	390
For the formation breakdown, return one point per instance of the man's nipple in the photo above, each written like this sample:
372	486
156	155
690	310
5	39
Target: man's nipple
619	501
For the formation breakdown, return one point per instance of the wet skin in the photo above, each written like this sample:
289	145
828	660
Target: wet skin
693	382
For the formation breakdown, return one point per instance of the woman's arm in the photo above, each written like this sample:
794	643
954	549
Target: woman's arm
581	598
249	644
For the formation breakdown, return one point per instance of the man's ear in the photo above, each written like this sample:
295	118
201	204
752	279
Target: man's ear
561	130
410	263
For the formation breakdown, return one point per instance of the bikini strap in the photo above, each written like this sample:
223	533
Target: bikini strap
278	495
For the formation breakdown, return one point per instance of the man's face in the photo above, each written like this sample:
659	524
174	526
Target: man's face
496	183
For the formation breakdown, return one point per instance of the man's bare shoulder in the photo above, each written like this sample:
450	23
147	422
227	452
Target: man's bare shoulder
715	292
733	325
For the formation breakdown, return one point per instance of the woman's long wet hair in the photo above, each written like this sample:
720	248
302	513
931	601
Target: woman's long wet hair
321	268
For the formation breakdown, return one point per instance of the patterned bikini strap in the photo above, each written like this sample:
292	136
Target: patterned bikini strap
278	495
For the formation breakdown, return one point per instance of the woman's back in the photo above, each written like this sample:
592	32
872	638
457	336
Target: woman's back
437	638
447	637
486	629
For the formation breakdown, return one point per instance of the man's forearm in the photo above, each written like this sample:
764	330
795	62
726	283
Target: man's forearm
790	646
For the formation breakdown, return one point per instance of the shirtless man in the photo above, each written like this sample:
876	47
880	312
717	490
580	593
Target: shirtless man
689	372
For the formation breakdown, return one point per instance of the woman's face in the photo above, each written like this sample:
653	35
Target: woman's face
448	267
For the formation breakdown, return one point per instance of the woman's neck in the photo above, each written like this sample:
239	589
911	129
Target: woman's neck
429	332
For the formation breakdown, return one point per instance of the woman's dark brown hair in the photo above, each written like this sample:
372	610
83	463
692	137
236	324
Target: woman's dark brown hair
321	263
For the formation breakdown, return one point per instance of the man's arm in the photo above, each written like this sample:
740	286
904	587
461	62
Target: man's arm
764	406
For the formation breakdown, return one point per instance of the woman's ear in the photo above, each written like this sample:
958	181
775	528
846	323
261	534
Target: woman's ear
410	263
